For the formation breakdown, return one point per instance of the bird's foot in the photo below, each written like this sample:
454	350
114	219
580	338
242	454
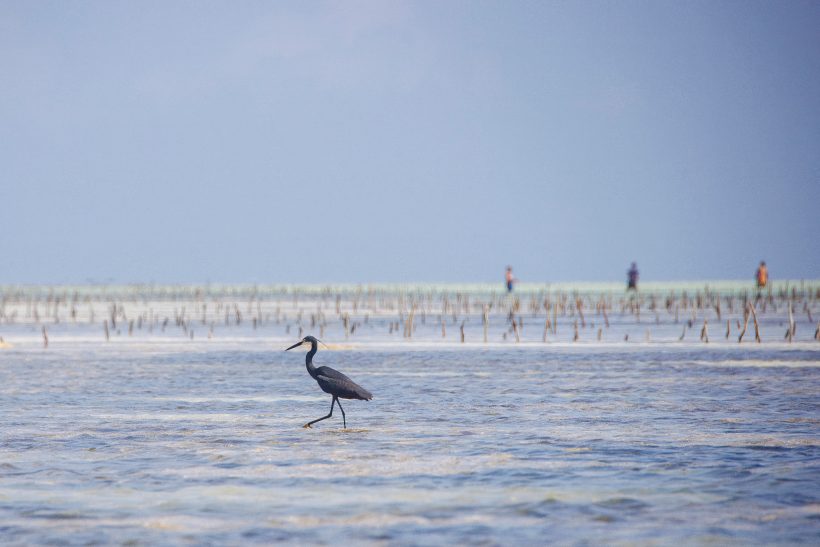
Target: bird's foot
306	426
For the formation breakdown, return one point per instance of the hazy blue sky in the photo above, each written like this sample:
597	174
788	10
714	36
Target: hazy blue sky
423	141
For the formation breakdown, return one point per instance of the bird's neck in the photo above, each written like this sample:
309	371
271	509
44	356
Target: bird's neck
309	360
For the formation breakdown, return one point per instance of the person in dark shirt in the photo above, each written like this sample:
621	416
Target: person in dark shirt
632	278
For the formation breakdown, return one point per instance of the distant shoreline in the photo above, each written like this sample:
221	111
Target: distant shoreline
261	290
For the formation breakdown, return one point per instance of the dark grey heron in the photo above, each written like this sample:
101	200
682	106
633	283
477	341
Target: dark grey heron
331	381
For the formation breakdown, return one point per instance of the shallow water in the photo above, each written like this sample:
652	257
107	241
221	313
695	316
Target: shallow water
203	443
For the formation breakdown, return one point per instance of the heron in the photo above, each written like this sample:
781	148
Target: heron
331	381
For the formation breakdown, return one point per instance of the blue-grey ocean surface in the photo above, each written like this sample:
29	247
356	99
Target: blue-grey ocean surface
202	443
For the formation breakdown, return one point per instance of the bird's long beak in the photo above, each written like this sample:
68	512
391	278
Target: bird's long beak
296	345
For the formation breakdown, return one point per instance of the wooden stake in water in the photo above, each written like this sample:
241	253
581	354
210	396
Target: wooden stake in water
45	337
408	325
757	327
579	305
486	320
746	315
546	325
791	330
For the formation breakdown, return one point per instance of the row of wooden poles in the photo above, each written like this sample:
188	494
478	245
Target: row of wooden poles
355	309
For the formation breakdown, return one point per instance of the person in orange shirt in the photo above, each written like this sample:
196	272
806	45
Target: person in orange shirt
762	275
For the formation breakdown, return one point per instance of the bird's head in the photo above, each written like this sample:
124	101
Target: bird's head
306	340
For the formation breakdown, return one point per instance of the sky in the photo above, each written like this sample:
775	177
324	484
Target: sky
357	142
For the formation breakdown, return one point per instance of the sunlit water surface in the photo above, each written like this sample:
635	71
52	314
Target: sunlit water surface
167	444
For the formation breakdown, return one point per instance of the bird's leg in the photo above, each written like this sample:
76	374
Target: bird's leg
344	421
307	425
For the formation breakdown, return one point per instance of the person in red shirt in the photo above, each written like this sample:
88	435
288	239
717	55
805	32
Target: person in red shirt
510	279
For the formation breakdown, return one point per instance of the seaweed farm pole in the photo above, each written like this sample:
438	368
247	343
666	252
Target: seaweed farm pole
486	318
546	324
45	337
579	306
105	327
757	327
704	332
745	322
408	325
792	327
411	321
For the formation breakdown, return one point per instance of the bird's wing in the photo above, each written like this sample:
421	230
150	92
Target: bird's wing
334	382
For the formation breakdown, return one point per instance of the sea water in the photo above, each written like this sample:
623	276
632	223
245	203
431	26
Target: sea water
157	441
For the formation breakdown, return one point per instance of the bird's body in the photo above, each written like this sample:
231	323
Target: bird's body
331	381
334	382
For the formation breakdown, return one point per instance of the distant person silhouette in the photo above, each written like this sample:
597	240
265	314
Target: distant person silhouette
632	278
509	278
762	275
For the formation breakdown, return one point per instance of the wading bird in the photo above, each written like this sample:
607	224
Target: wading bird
331	381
